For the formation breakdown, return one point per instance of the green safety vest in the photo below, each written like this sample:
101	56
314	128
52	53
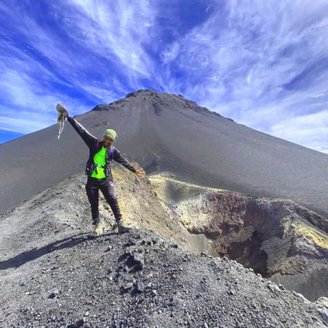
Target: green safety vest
100	162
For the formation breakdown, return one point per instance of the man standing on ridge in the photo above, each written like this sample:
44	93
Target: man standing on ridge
98	170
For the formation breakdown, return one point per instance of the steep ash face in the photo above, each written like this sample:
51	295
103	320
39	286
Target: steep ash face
166	132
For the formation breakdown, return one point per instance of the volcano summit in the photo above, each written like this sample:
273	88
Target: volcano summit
165	132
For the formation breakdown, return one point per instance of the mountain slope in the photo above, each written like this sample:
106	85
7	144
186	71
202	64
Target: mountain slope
169	133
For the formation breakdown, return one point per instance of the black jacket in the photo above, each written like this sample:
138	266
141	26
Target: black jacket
95	145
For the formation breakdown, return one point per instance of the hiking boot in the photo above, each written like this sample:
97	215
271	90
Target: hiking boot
100	228
114	226
121	228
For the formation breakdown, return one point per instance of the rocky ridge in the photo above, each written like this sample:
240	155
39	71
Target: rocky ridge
54	273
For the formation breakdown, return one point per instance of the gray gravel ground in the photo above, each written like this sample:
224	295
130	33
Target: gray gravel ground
139	279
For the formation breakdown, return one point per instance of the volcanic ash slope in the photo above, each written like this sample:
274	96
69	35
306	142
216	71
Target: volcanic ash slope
165	132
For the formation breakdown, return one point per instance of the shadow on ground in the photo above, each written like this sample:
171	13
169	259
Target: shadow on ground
35	253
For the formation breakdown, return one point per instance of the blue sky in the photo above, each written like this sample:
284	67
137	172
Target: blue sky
262	63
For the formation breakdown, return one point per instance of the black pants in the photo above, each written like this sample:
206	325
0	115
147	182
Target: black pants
107	188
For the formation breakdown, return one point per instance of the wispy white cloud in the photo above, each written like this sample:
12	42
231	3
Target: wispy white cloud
25	121
92	44
301	130
258	62
118	30
21	91
262	63
28	75
28	98
170	53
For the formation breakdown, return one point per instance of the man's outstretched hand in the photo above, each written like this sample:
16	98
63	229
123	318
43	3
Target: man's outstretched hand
62	111
140	173
62	115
